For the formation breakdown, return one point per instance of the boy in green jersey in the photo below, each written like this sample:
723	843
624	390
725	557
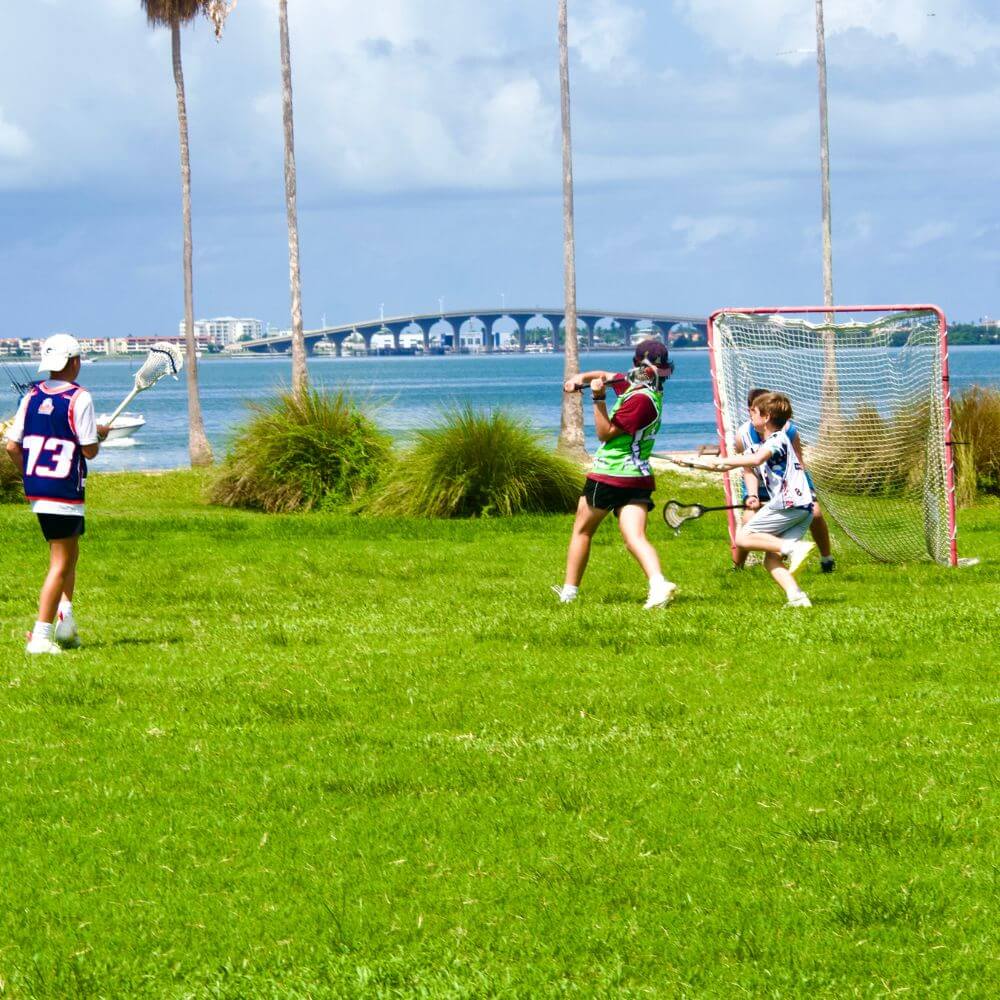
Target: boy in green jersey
621	479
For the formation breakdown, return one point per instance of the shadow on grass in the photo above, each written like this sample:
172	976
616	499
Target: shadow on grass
130	641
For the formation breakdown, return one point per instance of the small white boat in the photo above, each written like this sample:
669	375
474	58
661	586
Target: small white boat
125	425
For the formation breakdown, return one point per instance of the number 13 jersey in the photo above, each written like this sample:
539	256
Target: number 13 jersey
54	420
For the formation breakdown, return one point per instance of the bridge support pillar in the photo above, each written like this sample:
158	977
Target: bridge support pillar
555	319
368	335
522	337
487	336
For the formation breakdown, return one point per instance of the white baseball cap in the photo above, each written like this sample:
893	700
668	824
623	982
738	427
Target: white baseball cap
56	352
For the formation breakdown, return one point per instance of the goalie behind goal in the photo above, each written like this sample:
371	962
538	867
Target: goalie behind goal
869	386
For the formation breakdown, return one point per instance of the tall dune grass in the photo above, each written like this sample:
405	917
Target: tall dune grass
976	432
478	464
319	451
10	480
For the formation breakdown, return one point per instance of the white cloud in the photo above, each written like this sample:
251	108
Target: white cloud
605	33
14	142
929	232
760	29
700	231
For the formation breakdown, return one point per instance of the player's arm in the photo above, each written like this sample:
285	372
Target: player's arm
91	435
15	432
747	461
752	484
604	427
577	382
15	453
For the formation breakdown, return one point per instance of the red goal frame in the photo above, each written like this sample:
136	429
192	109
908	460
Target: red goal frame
945	393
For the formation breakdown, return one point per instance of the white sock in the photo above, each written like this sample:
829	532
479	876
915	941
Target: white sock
657	582
568	590
42	630
826	559
786	548
66	609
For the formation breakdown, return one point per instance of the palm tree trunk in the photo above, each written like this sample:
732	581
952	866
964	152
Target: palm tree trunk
571	440
198	446
300	375
830	398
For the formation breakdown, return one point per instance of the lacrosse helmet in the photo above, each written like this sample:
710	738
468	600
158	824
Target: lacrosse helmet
651	364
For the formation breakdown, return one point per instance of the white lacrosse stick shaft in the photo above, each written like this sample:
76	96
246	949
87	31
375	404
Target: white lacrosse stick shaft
121	406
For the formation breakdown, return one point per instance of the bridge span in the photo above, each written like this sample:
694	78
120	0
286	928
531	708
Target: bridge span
622	326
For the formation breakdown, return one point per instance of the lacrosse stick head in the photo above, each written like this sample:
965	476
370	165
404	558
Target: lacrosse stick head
163	359
676	513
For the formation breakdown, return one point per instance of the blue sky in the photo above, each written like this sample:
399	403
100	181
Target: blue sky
428	153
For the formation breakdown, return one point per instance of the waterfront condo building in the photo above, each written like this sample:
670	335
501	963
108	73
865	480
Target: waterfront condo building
225	330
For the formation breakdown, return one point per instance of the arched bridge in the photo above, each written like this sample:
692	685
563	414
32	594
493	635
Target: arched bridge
620	326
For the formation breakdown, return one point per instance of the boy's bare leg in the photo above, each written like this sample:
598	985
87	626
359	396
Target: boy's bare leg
820	532
780	575
63	556
588	519
740	554
632	524
757	542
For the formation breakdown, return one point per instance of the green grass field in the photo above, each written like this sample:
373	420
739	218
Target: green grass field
322	756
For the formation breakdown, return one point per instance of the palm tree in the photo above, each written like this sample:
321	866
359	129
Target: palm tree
571	440
831	390
300	376
174	13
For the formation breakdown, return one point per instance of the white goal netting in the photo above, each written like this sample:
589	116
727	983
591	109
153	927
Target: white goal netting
870	400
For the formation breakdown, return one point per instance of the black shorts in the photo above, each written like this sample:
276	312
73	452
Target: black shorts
604	496
56	527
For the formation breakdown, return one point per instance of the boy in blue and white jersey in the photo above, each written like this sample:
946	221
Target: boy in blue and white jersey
753	489
52	436
777	528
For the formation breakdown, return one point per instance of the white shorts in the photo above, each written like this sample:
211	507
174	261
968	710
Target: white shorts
790	523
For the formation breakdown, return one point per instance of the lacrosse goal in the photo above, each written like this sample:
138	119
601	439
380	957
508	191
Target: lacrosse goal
870	393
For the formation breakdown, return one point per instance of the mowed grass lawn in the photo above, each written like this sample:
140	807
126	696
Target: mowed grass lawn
316	756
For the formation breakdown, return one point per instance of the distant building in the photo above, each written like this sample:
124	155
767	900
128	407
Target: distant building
225	330
11	347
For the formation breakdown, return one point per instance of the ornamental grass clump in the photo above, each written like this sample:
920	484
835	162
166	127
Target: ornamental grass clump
478	464
312	452
976	433
11	490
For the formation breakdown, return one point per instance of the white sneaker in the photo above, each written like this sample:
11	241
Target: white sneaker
564	598
801	551
41	645
65	633
800	600
660	596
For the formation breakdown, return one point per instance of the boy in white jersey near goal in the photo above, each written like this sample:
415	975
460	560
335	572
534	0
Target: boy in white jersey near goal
621	479
52	436
777	528
753	489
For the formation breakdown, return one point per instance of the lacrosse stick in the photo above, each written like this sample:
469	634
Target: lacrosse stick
676	513
704	464
163	359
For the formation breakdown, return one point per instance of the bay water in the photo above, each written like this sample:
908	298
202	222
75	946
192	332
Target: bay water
406	394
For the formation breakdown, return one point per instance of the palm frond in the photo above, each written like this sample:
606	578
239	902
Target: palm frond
170	12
